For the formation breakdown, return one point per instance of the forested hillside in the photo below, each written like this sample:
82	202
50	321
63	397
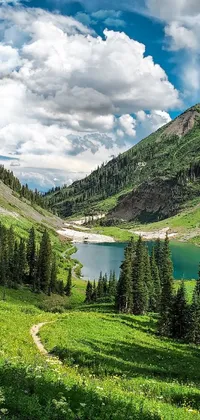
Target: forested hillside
168	159
8	178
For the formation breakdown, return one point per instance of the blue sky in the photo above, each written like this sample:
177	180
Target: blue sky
83	81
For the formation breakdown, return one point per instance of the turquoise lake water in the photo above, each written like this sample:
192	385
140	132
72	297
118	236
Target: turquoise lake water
109	256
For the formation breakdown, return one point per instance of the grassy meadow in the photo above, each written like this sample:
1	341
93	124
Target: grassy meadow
113	366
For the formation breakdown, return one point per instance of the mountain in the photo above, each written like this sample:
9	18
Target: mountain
149	182
20	207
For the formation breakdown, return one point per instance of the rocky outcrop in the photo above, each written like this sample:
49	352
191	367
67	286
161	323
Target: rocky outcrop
152	201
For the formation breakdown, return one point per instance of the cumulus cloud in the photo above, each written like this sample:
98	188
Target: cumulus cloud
128	124
67	93
182	30
181	37
149	122
172	9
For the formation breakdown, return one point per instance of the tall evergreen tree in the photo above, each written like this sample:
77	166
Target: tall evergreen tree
94	292
68	287
167	291
124	298
44	263
100	288
31	257
53	281
15	277
105	285
194	318
88	298
148	282
158	251
60	287
179	318
156	292
112	285
22	262
140	294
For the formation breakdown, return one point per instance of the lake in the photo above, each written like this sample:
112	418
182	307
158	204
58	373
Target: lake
109	256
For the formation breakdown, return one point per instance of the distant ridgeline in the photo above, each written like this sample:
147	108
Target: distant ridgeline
22	262
164	166
8	178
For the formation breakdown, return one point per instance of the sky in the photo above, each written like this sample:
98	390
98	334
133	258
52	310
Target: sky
82	81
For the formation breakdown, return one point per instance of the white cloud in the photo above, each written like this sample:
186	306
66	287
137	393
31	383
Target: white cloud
172	9
128	124
149	122
9	59
181	37
61	88
182	30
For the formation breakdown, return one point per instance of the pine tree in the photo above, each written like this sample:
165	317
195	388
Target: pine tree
44	263
68	287
179	318
112	285
31	257
124	298
140	293
15	277
94	292
156	293
148	282
105	285
194	318
158	250
100	289
167	291
53	281
88	298
60	287
22	262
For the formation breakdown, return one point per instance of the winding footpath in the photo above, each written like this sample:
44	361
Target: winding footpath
34	331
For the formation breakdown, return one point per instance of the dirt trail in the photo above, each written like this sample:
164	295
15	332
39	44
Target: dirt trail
34	333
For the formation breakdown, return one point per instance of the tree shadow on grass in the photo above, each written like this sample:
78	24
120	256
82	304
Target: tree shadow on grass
122	360
26	395
106	308
148	326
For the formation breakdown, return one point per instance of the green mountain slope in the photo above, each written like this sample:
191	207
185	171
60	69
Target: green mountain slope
150	181
20	212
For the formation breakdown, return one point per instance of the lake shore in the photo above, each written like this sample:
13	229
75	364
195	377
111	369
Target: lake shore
78	236
158	234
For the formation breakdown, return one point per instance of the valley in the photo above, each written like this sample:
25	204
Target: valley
66	356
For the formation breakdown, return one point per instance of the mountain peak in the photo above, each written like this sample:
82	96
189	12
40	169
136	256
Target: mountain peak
184	122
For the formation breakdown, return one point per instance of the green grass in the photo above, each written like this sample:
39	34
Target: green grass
117	233
114	367
121	356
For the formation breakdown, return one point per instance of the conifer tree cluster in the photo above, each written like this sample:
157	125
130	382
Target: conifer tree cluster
139	286
103	290
146	285
27	262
